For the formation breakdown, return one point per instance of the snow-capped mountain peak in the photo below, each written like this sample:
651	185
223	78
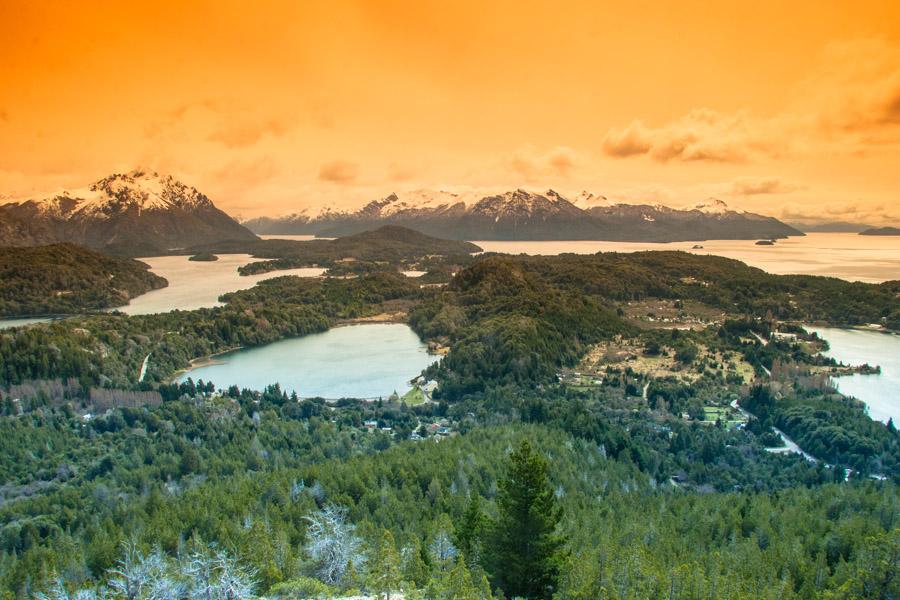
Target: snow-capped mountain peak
139	189
587	199
711	206
138	213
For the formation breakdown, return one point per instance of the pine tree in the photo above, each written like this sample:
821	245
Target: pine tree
414	569
470	533
384	567
525	550
457	584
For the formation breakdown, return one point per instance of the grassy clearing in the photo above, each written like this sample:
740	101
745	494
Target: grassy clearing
414	397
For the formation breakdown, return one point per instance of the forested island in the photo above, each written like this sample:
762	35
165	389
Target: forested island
627	401
204	257
881	231
367	251
68	279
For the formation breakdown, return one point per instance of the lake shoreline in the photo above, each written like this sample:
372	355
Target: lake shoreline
372	360
203	361
857	346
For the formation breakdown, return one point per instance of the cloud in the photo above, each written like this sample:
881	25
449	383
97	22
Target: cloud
248	173
237	134
856	89
4	116
841	211
631	141
701	135
849	104
532	164
230	124
342	172
398	173
753	186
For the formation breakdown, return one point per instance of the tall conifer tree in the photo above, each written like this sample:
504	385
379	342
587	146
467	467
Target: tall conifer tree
526	551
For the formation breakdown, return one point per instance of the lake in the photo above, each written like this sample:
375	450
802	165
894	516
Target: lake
198	284
357	361
849	256
881	393
7	323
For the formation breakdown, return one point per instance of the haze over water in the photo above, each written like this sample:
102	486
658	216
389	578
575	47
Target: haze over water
872	259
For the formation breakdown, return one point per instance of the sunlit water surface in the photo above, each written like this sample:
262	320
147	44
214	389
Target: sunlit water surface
881	393
358	361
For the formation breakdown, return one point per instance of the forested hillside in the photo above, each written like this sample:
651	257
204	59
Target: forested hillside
272	489
68	279
590	404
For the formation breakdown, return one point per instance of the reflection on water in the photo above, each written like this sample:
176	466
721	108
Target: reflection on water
846	255
359	361
881	393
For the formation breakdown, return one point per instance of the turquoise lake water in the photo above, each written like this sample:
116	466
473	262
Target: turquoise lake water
881	393
358	361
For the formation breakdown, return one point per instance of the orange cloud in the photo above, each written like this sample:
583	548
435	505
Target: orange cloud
531	164
839	211
753	186
342	172
857	88
397	172
235	134
249	172
701	135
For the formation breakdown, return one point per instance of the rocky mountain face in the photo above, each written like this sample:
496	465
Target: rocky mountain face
140	213
526	215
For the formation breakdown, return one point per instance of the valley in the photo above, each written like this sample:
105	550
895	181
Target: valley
367	300
666	375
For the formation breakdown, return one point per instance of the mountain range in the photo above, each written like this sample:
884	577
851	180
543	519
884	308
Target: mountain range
140	213
143	213
526	215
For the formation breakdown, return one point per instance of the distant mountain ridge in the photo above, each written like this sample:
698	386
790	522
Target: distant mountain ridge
832	227
525	215
881	231
140	213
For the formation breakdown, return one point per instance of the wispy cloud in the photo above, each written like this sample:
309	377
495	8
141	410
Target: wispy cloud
342	172
532	164
755	186
847	105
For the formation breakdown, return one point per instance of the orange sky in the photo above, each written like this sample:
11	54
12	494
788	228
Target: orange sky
787	108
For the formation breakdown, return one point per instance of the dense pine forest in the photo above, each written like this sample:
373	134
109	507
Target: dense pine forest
579	445
68	279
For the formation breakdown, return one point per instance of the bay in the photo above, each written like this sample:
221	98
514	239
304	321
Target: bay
357	361
881	392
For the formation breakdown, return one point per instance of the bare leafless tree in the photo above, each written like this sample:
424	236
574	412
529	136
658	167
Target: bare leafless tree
332	544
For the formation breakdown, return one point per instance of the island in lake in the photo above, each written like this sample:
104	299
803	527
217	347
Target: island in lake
204	257
881	231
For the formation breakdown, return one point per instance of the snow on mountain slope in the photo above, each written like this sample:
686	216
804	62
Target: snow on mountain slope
713	206
140	189
530	215
136	213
